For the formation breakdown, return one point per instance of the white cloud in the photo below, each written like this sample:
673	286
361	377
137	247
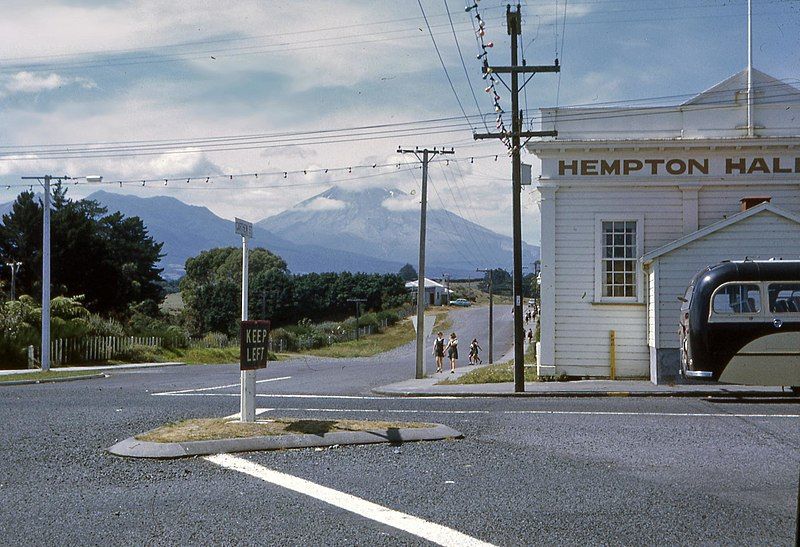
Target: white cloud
401	203
325	204
28	82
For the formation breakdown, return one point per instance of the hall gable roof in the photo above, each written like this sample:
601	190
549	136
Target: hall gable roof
767	90
761	208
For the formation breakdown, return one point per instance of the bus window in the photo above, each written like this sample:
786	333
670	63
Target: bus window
733	298
784	297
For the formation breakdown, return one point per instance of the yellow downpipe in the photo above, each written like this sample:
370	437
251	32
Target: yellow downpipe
612	357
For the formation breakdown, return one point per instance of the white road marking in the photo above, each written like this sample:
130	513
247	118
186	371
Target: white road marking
545	412
419	527
199	389
423	411
238	414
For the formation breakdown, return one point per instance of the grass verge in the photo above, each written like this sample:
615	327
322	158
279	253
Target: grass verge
395	336
208	429
190	356
492	374
49	375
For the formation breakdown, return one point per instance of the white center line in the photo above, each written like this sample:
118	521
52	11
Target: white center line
199	389
433	532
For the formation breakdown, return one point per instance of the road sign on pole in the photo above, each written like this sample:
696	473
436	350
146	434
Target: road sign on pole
244	228
253	345
247	406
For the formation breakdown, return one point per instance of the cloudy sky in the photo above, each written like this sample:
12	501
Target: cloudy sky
218	88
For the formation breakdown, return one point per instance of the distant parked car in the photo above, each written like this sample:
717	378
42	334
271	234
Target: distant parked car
531	302
461	302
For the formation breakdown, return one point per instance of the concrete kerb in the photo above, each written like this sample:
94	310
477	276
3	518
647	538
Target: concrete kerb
101	372
133	448
428	387
53	380
788	397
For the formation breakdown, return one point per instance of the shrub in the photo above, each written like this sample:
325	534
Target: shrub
289	339
390	316
312	340
139	354
98	326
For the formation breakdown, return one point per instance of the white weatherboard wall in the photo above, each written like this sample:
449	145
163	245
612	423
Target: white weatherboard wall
583	324
762	236
675	170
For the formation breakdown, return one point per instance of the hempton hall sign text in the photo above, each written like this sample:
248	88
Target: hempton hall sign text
677	166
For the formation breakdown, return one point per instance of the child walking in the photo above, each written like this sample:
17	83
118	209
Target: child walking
474	347
438	350
452	351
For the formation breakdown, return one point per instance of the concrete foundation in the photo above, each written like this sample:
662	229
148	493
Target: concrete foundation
665	366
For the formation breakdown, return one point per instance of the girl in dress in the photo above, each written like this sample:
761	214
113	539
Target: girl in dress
474	347
452	351
438	350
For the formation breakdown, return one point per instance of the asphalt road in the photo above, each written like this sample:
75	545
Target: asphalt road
528	472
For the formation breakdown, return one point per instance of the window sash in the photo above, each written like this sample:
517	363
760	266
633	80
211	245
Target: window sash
618	253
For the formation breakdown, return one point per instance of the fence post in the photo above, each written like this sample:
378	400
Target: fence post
31	358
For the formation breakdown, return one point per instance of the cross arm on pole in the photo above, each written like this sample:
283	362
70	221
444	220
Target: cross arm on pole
524	69
521	134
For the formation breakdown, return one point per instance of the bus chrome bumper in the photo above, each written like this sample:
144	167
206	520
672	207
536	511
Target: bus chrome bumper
698	373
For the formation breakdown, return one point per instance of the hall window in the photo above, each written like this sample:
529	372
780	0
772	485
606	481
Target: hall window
617	276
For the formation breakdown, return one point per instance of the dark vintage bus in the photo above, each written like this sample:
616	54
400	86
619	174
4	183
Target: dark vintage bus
740	323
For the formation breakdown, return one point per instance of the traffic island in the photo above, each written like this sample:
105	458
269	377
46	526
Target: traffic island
205	436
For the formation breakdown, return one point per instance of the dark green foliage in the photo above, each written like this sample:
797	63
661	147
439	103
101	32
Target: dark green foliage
502	281
211	288
212	284
21	320
107	258
408	273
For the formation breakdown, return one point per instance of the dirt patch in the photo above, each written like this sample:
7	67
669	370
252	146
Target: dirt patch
208	429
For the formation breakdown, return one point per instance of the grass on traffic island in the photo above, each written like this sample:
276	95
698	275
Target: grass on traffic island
45	376
211	429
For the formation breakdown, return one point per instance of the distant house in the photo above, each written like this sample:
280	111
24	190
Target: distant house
435	293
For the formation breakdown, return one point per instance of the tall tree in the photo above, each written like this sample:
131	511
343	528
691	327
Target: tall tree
408	273
211	288
108	258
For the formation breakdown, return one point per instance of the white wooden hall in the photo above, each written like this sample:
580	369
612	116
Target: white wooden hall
634	201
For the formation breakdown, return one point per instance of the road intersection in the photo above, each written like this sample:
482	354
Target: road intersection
529	471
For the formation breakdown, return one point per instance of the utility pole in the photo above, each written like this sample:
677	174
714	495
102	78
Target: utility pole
45	356
446	279
427	155
490	271
14	268
514	22
358	302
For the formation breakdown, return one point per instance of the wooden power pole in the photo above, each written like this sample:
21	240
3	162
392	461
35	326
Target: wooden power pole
514	21
427	155
491	312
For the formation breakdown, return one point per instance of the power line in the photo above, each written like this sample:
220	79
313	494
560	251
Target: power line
563	33
444	67
202	54
480	250
464	66
116	149
196	140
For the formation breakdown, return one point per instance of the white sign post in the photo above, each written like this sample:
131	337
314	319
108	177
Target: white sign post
247	403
